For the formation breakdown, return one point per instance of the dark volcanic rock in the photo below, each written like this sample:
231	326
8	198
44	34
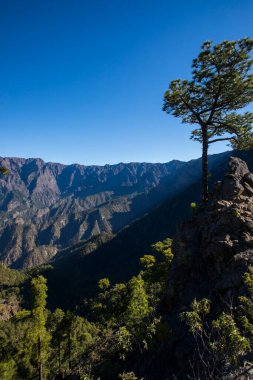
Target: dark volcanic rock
212	252
214	249
235	182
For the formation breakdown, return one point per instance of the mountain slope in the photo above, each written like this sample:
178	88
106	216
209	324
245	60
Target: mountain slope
46	207
117	257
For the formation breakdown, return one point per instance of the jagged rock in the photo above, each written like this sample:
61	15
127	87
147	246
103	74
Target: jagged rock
231	187
219	238
248	177
237	167
248	188
233	184
212	252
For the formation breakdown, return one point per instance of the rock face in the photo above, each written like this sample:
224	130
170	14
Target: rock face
46	207
214	249
238	181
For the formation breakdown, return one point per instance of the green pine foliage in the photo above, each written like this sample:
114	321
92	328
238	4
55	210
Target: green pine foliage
10	277
120	328
123	322
220	343
246	306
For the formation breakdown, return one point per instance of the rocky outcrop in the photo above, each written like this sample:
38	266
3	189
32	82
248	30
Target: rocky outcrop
238	181
212	252
215	248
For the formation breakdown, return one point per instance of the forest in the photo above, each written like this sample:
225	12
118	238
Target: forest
121	332
121	322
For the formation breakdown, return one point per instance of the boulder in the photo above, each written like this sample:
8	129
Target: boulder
234	183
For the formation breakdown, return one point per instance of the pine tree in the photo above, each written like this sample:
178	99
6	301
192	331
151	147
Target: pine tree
221	85
138	307
56	326
39	334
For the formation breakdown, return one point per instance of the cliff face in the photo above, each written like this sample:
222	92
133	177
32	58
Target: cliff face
215	248
46	207
212	252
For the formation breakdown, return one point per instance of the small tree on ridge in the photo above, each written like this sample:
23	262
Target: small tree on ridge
221	85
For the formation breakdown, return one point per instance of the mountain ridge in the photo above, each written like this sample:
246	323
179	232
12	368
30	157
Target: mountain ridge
46	208
118	256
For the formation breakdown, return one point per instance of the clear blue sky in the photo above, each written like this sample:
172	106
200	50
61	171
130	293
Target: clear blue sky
83	81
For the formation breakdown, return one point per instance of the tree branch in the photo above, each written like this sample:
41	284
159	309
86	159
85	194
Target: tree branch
192	110
222	139
223	104
214	132
214	103
231	127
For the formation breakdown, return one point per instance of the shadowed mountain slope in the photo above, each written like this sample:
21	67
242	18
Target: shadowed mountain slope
80	267
46	208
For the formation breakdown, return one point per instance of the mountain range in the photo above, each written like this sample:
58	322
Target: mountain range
50	211
47	207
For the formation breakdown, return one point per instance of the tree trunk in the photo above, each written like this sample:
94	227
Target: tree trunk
204	165
69	349
40	360
59	355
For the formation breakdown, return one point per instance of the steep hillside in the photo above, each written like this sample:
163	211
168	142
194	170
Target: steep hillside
212	253
81	266
46	207
218	240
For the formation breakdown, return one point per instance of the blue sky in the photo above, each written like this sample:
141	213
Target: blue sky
83	81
